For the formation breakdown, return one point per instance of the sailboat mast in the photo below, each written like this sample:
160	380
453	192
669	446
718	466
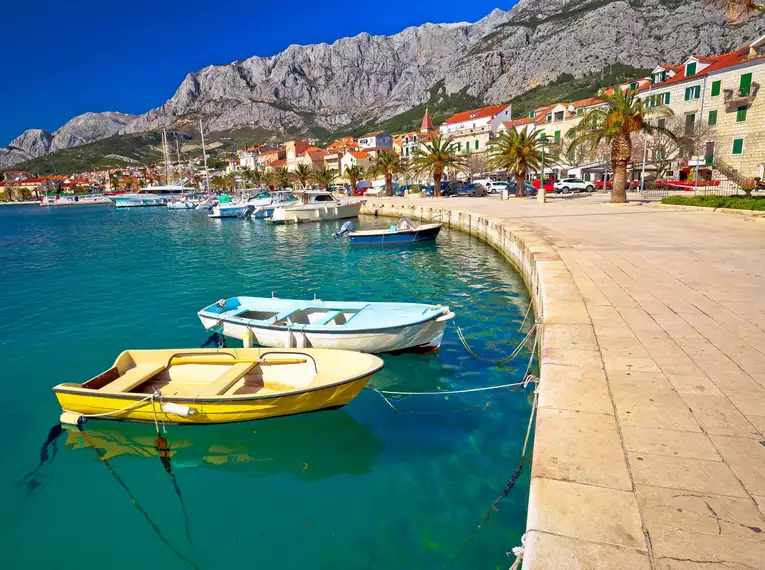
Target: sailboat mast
178	152
166	153
233	169
204	154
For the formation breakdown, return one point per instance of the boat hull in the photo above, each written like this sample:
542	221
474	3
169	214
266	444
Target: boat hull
219	411
77	201
140	202
317	213
388	237
228	211
427	335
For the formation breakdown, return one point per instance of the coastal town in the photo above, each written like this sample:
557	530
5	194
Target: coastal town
713	134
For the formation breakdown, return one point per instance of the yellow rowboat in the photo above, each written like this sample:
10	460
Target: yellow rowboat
212	386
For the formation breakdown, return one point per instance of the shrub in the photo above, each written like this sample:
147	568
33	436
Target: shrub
756	203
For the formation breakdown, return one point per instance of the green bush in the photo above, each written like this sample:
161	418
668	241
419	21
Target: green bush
733	202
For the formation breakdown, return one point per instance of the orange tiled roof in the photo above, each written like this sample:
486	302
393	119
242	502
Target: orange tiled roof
476	114
359	154
717	63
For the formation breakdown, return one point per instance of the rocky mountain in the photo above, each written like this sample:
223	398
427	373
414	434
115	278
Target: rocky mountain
370	78
83	129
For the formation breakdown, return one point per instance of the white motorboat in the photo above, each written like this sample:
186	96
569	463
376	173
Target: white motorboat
188	202
75	200
256	207
150	196
366	327
319	206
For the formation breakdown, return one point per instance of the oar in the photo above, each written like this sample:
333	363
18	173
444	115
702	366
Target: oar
179	360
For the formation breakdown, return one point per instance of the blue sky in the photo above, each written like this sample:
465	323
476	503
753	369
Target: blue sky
62	58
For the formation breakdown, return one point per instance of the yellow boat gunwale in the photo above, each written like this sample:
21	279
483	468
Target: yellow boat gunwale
77	389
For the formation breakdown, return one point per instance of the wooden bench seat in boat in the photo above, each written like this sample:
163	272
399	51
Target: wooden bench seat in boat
226	380
133	378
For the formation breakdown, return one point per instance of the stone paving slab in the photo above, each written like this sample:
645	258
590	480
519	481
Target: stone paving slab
650	441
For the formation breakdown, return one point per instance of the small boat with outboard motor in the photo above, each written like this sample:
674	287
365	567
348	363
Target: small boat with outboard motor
403	232
366	327
212	386
317	206
189	201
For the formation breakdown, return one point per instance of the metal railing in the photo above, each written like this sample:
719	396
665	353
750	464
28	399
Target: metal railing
663	188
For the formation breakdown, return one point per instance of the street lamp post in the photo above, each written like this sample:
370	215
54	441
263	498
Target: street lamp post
542	193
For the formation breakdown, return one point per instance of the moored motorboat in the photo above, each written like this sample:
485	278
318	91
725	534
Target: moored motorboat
366	327
149	196
209	386
405	231
317	207
75	200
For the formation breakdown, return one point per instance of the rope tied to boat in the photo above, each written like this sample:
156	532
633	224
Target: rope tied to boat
518	552
499	361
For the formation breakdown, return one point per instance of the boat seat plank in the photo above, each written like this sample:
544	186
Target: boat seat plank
331	316
227	379
288	313
133	378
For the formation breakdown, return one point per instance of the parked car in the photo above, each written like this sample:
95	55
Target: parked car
451	188
567	185
549	185
528	189
471	189
494	186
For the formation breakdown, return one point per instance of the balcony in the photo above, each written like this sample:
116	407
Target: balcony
738	97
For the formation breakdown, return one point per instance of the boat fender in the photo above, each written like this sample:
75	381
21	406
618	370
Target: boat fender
300	340
290	340
178	409
72	419
247	338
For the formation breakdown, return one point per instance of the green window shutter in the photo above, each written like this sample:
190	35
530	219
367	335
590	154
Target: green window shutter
712	118
687	93
738	146
690	69
476	144
681	151
741	114
715	88
531	115
459	146
571	155
580	111
746	83
666	98
557	137
549	118
633	86
663	76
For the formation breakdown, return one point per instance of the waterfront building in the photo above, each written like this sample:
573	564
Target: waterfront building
377	139
472	130
718	98
355	157
406	144
292	150
313	157
342	144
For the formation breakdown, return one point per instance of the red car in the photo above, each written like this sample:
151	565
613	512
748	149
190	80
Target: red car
549	185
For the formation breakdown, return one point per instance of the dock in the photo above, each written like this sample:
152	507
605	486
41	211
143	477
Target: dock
649	450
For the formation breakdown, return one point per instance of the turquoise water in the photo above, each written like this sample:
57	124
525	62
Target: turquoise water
362	487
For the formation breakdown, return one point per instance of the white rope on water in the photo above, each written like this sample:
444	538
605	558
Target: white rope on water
499	361
113	412
448	392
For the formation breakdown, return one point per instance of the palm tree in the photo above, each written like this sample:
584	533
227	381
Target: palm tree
353	173
387	164
516	152
283	177
435	157
324	176
623	115
302	173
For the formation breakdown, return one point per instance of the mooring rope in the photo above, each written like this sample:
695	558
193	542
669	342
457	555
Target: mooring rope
499	361
125	409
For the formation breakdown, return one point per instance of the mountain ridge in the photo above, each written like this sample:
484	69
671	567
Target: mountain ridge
371	78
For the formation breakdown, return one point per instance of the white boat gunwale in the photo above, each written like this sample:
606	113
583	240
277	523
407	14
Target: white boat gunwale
73	388
388	231
335	329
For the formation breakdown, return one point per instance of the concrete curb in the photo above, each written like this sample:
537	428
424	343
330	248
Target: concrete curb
583	510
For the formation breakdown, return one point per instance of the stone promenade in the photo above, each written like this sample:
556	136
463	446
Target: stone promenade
650	439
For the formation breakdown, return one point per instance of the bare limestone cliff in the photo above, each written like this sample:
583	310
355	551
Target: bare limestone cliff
371	78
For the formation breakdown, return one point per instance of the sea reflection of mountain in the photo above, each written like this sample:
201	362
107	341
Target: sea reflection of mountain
309	447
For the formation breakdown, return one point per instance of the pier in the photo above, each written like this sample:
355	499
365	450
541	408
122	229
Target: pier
649	450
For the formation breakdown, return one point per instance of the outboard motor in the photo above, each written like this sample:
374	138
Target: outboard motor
246	212
346	228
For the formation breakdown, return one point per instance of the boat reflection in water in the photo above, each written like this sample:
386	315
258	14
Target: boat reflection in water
309	447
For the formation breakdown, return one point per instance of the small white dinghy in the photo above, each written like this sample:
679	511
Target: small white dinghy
365	327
